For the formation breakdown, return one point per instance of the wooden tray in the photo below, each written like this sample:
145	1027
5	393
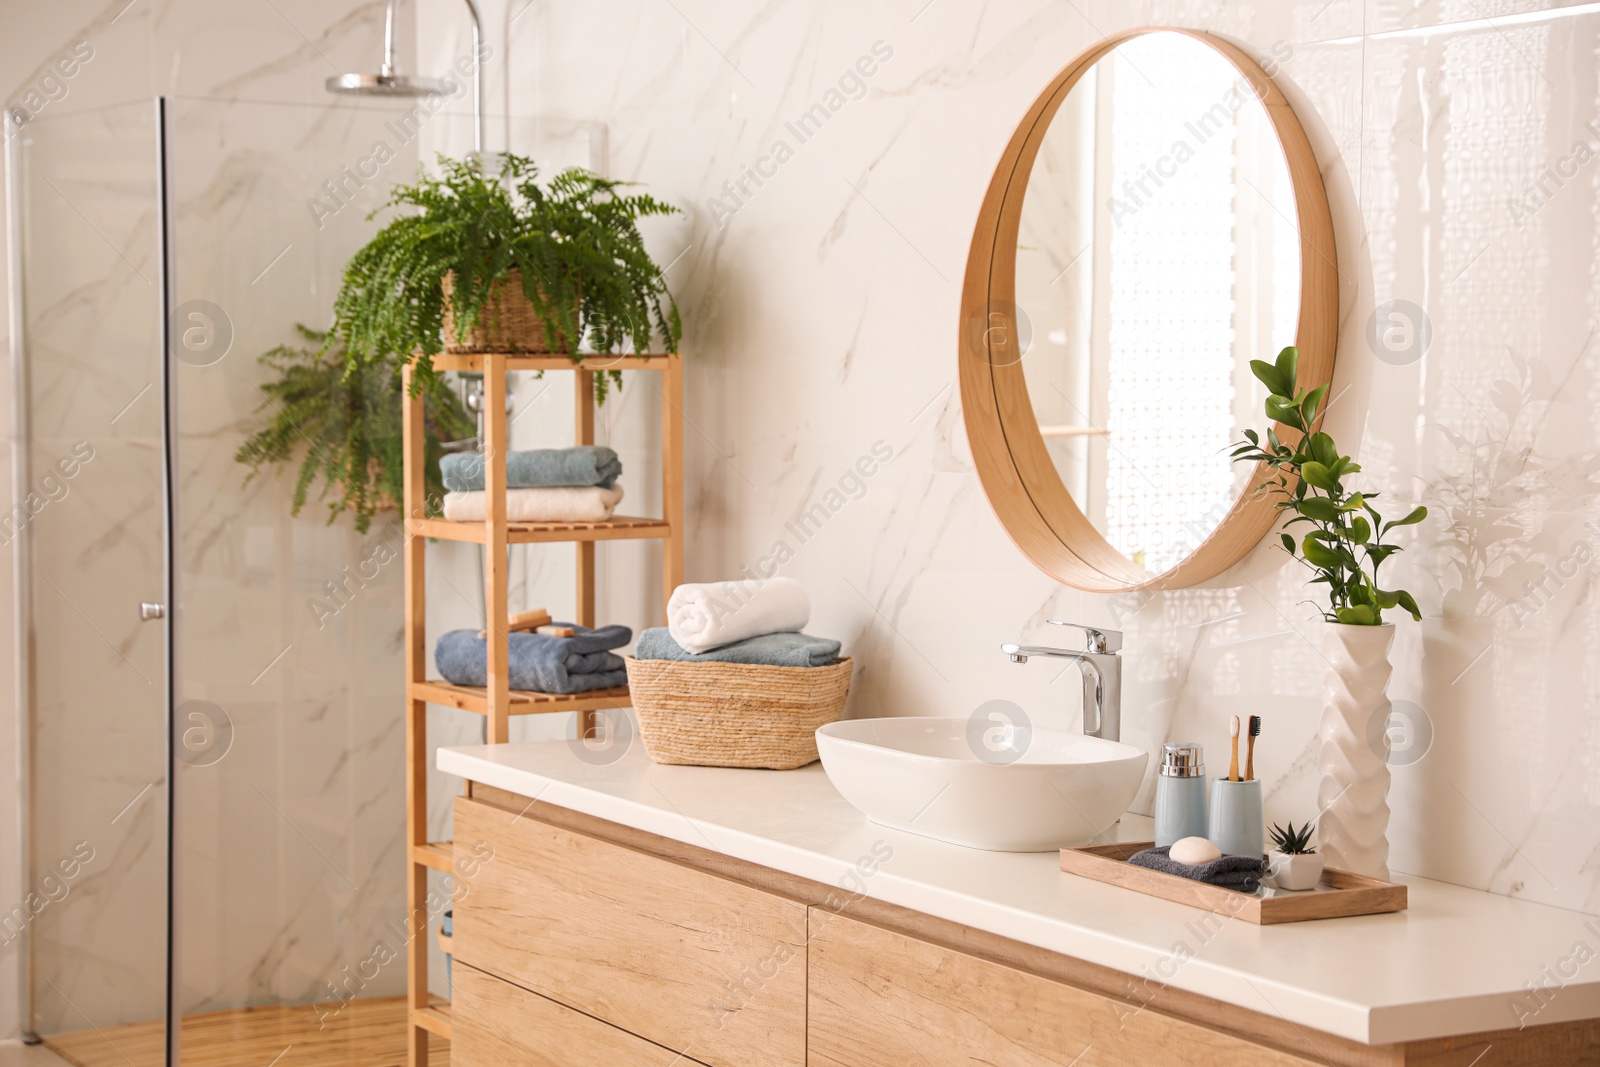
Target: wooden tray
1340	894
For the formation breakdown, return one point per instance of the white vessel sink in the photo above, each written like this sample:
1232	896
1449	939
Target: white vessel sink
926	775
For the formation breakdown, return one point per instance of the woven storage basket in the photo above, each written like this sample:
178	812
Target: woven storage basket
735	714
507	323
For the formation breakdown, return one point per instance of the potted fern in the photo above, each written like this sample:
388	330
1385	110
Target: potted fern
505	263
1343	544
343	421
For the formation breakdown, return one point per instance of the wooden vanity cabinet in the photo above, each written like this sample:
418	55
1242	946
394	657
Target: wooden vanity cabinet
582	942
706	966
497	1024
878	997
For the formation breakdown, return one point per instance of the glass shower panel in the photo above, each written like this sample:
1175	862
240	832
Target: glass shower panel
288	844
287	853
93	518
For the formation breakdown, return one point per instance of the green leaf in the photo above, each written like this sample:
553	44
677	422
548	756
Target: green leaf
1287	367
1360	532
1252	437
1275	383
1378	553
1320	555
1313	403
1319	508
1319	476
1358	615
1285	411
1288	543
1408	602
1417	515
1323	449
1386	599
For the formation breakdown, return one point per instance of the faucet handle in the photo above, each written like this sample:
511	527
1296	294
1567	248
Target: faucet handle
1100	640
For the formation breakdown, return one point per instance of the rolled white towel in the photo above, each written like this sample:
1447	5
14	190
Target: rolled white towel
552	504
703	617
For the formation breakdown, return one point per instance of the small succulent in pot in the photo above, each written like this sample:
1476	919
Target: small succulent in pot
1294	863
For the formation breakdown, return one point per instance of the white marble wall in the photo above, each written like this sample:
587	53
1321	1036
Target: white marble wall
822	317
821	320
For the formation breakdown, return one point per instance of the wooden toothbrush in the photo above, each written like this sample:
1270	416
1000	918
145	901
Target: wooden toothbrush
1250	751
1233	767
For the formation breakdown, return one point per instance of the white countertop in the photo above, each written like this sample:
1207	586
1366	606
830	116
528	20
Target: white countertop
1456	962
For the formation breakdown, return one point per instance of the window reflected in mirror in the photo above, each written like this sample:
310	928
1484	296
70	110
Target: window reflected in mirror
1158	254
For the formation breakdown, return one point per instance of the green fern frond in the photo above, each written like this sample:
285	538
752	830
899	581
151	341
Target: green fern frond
343	421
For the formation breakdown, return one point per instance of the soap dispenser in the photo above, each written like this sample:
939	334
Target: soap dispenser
1180	793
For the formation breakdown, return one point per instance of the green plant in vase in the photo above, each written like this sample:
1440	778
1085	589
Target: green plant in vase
1342	540
570	247
343	421
1344	546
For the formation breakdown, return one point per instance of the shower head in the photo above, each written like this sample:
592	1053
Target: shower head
384	85
390	82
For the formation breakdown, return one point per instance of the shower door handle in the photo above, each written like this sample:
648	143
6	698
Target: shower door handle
149	612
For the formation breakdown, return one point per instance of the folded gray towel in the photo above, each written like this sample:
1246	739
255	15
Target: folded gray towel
537	468
1243	873
573	664
776	650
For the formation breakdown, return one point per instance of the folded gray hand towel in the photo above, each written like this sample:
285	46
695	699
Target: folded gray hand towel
776	650
575	664
1243	873
537	468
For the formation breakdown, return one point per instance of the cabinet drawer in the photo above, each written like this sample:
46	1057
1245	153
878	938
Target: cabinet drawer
496	1024
879	997
684	958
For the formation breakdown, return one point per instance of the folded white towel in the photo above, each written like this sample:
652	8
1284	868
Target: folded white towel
703	617
591	503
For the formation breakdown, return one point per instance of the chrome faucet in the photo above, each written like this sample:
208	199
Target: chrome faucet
1102	676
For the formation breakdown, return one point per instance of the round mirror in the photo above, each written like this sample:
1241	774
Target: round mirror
1157	222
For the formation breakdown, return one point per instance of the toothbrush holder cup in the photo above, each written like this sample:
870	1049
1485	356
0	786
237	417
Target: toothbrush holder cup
1237	826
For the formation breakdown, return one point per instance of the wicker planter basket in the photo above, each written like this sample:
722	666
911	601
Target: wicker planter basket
507	323
735	714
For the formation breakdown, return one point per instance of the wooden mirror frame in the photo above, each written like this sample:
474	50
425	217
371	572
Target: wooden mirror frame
1016	471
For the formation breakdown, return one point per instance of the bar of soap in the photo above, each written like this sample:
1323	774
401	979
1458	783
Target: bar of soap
1193	851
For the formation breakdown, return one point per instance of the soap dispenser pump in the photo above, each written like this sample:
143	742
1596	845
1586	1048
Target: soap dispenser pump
1180	793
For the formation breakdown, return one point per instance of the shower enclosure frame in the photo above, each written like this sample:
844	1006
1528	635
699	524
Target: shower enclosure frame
21	565
169	549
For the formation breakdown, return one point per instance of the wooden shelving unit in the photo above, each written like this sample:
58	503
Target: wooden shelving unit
497	701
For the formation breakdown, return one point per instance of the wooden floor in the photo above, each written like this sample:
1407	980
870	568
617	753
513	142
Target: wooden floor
367	1033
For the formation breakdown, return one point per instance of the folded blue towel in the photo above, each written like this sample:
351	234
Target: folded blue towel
573	664
776	650
536	468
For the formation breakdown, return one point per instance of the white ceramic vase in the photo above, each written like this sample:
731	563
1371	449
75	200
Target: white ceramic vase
1353	790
